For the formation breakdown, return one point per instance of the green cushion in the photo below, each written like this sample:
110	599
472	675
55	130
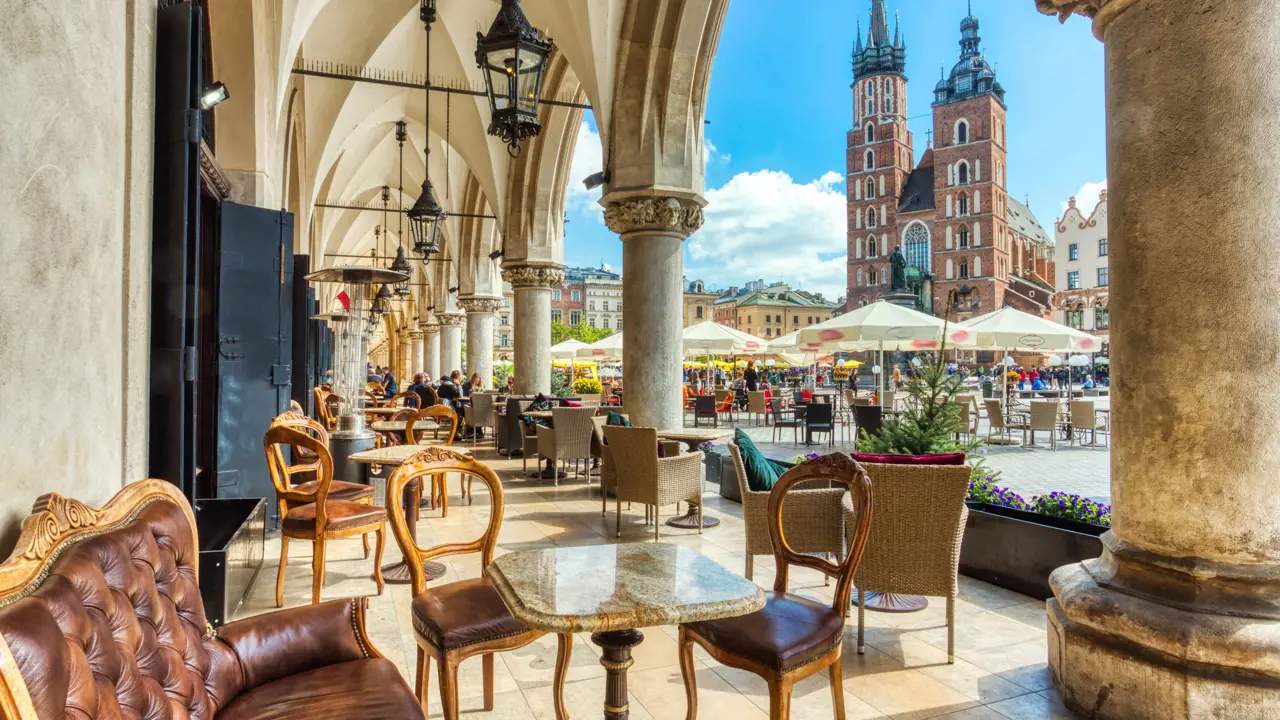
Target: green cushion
762	472
617	420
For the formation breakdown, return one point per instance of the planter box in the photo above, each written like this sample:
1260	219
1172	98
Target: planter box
1017	550
232	532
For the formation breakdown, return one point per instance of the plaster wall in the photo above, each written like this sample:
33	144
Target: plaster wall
76	130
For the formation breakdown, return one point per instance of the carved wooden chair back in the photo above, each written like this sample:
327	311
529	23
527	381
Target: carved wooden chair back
432	461
434	411
303	459
277	438
836	468
408	398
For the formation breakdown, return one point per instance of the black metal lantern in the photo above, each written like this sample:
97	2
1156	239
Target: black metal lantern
382	301
401	264
425	219
513	57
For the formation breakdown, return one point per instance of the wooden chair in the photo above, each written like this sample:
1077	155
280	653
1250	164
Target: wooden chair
792	637
918	525
643	477
813	519
408	399
439	483
326	407
301	475
459	620
313	515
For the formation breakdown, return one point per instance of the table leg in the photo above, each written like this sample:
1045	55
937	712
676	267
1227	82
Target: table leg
616	659
892	602
398	573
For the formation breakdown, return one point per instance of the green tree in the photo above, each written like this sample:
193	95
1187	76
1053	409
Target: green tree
581	332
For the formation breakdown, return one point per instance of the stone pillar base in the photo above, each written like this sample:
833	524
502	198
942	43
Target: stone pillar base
1133	635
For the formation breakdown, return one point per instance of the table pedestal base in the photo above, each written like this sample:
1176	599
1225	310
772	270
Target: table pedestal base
616	659
892	602
689	520
398	573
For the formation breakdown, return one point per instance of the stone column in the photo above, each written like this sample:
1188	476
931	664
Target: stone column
431	350
531	285
480	322
1180	617
417	340
653	231
404	358
450	341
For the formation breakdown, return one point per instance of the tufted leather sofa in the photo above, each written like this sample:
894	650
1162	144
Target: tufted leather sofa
100	617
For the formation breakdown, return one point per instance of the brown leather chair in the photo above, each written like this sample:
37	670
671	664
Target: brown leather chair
792	637
306	462
312	515
458	620
100	617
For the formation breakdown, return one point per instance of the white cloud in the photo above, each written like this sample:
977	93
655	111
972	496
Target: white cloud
1087	197
711	153
765	225
588	158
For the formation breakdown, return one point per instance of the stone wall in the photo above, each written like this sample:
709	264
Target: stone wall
75	194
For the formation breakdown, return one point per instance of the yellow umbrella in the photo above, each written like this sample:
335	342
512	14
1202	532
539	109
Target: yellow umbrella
851	364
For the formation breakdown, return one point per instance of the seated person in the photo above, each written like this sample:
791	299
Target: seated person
450	389
1088	382
1037	384
422	386
390	381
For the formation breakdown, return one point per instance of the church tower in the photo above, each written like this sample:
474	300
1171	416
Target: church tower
879	152
970	194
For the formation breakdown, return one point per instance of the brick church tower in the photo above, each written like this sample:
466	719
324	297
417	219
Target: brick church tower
879	151
970	196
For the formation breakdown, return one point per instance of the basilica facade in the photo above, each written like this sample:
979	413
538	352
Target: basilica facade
966	241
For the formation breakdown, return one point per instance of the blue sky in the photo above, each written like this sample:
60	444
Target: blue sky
780	105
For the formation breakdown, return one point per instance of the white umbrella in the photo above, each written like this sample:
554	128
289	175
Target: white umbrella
566	350
1009	329
609	348
883	326
710	338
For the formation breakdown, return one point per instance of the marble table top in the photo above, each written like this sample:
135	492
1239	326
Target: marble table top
397	454
383	410
399	425
619	587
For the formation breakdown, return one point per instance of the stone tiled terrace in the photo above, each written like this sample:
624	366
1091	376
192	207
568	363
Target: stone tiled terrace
1000	671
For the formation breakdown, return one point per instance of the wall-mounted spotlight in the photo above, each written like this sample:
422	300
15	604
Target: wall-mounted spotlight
213	94
495	254
596	180
453	290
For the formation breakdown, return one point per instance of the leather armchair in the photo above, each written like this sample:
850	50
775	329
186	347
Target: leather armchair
100	616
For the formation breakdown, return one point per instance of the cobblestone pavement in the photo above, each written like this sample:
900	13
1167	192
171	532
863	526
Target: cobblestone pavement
1035	471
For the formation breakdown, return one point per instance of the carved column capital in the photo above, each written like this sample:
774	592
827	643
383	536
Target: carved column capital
1102	12
450	319
416	334
429	328
479	304
536	276
658	214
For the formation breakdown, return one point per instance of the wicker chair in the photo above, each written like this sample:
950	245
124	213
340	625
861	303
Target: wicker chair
888	398
812	518
569	438
869	419
643	477
996	421
480	414
757	405
1086	419
1044	417
917	526
788	418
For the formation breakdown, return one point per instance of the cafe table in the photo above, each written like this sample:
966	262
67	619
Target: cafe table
396	455
612	591
692	438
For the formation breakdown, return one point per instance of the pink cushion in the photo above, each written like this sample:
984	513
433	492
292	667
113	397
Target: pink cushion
947	459
570	403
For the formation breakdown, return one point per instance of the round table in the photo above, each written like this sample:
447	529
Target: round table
614	590
692	438
395	455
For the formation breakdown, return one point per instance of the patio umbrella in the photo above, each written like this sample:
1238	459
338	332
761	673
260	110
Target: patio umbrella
710	338
609	348
1009	329
567	350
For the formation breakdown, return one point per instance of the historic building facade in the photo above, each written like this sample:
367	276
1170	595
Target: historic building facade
1083	271
951	213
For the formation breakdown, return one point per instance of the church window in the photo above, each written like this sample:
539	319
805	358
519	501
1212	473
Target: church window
962	173
888	95
871	222
870	160
859	277
964	270
962	132
871	246
871	188
871	133
963	206
884	275
916	246
871	97
963	237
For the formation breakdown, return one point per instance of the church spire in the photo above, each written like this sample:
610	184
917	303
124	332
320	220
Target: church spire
897	37
879	24
858	39
881	53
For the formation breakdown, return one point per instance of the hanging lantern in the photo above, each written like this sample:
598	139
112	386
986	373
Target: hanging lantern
401	264
513	57
382	301
425	219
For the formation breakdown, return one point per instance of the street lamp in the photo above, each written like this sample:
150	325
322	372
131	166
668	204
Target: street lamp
426	216
513	57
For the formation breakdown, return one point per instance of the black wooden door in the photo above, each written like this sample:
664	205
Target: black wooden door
255	342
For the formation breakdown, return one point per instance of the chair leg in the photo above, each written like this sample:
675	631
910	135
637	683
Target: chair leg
779	700
837	688
951	631
364	539
750	573
487	672
284	560
377	555
862	603
656	524
448	674
317	569
564	652
444	494
689	675
617	514
421	683
699	517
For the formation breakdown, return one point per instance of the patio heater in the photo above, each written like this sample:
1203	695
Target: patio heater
350	355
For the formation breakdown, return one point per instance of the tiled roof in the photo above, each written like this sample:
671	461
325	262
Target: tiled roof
1022	221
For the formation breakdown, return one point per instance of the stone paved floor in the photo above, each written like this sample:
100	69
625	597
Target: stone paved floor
1028	471
1000	671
